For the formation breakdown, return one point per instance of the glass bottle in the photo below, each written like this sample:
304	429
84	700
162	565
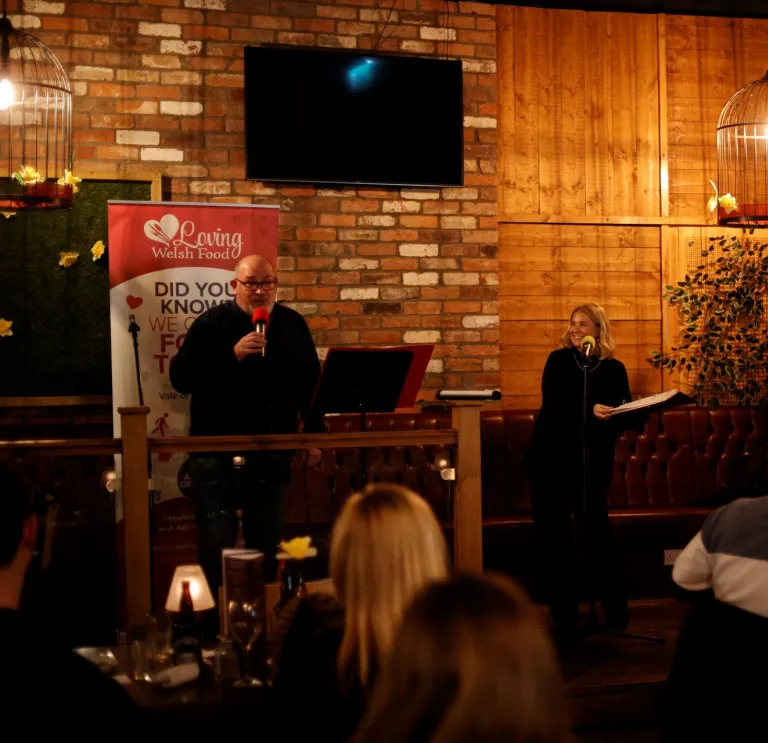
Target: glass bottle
292	585
187	645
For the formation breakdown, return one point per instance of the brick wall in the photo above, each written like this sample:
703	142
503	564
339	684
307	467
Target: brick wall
158	85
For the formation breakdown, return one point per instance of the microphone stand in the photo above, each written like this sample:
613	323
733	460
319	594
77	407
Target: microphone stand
594	626
133	329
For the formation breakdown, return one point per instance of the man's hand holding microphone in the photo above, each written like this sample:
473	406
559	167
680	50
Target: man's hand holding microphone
256	341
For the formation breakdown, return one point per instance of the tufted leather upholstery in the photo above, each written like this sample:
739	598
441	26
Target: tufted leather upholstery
684	459
691	456
666	480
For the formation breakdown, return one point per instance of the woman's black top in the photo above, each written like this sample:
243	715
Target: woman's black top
311	701
559	423
556	456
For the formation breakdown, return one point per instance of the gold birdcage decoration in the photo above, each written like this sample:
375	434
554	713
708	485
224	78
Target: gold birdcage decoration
35	124
742	154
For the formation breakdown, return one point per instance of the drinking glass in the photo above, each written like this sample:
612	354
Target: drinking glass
159	633
140	645
226	663
246	626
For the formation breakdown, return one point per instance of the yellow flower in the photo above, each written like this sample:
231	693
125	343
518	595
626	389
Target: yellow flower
26	175
69	180
297	549
728	203
68	259
5	328
712	203
97	250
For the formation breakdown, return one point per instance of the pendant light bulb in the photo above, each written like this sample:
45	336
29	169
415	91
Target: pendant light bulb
6	94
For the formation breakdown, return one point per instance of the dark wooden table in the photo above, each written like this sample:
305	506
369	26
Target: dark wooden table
204	709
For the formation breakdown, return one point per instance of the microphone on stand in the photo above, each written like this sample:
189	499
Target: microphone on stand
260	320
587	345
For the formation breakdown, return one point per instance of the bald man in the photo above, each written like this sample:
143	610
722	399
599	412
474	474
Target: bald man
238	391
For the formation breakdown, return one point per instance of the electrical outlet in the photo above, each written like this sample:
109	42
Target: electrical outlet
670	556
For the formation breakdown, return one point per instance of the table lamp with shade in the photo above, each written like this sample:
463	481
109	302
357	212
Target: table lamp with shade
189	594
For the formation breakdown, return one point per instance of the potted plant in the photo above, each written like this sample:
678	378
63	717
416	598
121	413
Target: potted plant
722	351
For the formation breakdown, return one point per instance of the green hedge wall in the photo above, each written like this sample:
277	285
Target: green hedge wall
61	340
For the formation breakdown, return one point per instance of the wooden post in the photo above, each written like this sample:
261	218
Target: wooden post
138	576
467	504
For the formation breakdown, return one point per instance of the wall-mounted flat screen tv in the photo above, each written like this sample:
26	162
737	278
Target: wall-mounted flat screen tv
330	116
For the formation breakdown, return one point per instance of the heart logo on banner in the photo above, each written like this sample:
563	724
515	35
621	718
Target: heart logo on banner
162	231
134	302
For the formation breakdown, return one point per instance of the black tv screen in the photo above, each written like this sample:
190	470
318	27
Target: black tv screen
328	116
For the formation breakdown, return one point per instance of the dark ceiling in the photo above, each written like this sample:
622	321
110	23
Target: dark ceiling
743	8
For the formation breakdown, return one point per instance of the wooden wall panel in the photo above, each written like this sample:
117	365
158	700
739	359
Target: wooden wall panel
599	171
580	113
548	269
707	61
561	115
607	143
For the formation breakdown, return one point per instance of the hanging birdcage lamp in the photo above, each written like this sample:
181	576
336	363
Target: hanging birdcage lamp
742	154
35	124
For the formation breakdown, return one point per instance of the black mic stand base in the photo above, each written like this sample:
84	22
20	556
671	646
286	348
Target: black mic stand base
594	627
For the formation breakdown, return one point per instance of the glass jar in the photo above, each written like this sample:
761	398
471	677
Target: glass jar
226	663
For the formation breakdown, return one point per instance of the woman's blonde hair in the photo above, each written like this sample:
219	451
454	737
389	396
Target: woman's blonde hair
386	545
472	663
606	345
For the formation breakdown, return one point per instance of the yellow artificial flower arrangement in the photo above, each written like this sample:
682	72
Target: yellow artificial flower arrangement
26	175
297	549
68	259
5	328
97	250
68	179
726	201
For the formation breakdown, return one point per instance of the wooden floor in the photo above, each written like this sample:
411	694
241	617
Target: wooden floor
614	683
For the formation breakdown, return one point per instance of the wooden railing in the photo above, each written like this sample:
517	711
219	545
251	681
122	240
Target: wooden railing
135	447
62	447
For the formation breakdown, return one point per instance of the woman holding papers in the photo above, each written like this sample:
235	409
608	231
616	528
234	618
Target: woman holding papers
572	465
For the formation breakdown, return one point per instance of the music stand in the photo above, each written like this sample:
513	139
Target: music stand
370	380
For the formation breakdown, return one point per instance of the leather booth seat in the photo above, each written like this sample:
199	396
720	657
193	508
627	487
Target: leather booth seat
666	479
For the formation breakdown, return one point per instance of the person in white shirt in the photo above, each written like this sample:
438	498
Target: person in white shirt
719	678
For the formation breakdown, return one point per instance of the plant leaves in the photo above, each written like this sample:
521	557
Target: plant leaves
723	329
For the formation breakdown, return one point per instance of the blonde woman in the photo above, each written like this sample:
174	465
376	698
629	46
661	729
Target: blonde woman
385	546
572	464
472	663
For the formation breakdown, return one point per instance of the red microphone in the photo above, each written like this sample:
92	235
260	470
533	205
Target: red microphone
260	320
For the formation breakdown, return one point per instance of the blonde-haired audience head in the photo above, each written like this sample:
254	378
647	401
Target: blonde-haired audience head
472	663
386	545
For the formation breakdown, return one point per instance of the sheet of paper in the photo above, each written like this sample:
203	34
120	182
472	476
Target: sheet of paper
645	402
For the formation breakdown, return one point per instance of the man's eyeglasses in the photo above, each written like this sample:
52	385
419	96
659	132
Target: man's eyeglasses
267	285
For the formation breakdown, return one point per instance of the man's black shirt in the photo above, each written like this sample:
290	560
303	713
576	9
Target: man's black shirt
257	395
